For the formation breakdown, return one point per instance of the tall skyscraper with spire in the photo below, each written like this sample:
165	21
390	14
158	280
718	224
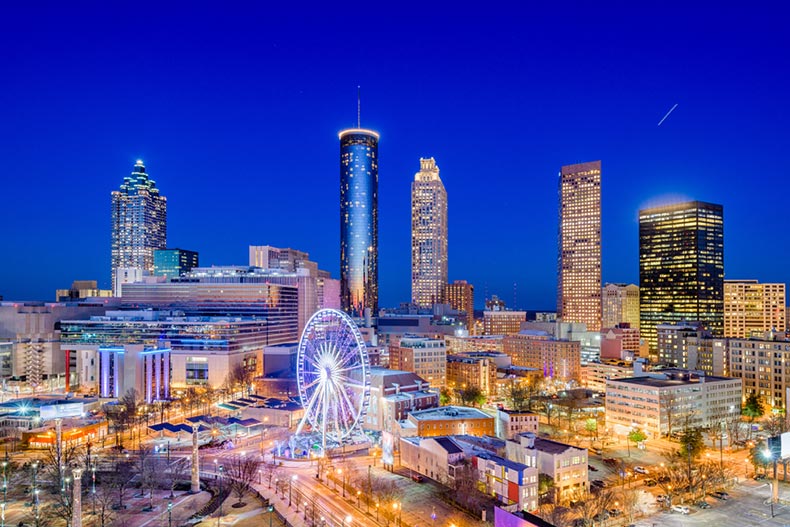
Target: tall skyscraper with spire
579	261
428	235
139	226
359	219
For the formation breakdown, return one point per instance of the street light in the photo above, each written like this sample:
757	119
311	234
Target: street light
290	484
348	519
170	513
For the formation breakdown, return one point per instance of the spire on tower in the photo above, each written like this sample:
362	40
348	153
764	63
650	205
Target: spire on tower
359	108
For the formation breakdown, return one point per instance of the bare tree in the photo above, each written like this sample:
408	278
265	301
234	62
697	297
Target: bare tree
103	502
121	479
556	515
147	470
240	472
270	469
668	401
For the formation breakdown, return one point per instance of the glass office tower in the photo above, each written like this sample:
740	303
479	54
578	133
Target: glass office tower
173	263
681	267
139	225
359	223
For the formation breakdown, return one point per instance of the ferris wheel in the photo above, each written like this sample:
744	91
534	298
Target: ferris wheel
333	376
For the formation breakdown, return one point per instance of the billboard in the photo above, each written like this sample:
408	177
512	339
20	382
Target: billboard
54	411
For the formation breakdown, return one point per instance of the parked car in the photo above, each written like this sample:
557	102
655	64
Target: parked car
610	461
640	470
600	483
418	478
580	522
759	477
592	468
601	516
661	498
721	495
651	482
703	505
614	513
682	509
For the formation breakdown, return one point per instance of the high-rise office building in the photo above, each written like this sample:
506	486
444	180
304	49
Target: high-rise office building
751	307
461	296
428	235
681	267
579	262
173	263
620	303
359	221
139	226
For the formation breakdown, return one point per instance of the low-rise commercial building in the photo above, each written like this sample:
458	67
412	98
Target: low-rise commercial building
662	403
510	482
511	423
447	420
393	395
437	458
565	464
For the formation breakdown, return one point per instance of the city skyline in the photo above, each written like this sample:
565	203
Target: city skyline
203	142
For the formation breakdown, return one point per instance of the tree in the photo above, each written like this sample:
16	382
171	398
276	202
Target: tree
103	501
518	397
636	436
691	443
753	408
668	402
147	470
269	469
758	458
239	377
545	488
121	479
241	472
445	396
471	396
555	514
775	425
591	426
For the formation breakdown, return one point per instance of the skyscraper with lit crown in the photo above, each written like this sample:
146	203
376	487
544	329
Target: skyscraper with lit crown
579	261
139	226
428	235
359	220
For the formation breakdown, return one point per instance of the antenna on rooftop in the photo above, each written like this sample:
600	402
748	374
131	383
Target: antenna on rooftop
359	108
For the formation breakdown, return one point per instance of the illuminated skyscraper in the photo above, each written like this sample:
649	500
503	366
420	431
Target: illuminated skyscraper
139	226
359	221
173	263
579	262
681	267
428	235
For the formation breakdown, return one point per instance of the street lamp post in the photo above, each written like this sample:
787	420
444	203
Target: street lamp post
170	513
221	468
290	485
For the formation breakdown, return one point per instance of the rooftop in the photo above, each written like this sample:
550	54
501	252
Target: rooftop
672	377
449	412
547	445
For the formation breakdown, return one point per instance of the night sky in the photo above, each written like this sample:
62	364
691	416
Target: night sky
235	111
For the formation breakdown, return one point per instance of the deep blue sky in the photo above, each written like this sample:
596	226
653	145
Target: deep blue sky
235	110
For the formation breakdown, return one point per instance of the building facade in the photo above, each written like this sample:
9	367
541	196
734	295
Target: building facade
565	464
662	403
139	225
691	347
464	371
426	357
146	370
620	342
447	420
359	221
751	307
501	322
681	267
764	367
511	483
428	235
579	262
511	423
558	359
620	304
173	263
461	297
393	395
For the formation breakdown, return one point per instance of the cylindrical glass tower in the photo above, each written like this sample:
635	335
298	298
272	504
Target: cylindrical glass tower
359	221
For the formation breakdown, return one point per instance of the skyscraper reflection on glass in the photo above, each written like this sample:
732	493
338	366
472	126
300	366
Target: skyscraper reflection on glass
359	224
